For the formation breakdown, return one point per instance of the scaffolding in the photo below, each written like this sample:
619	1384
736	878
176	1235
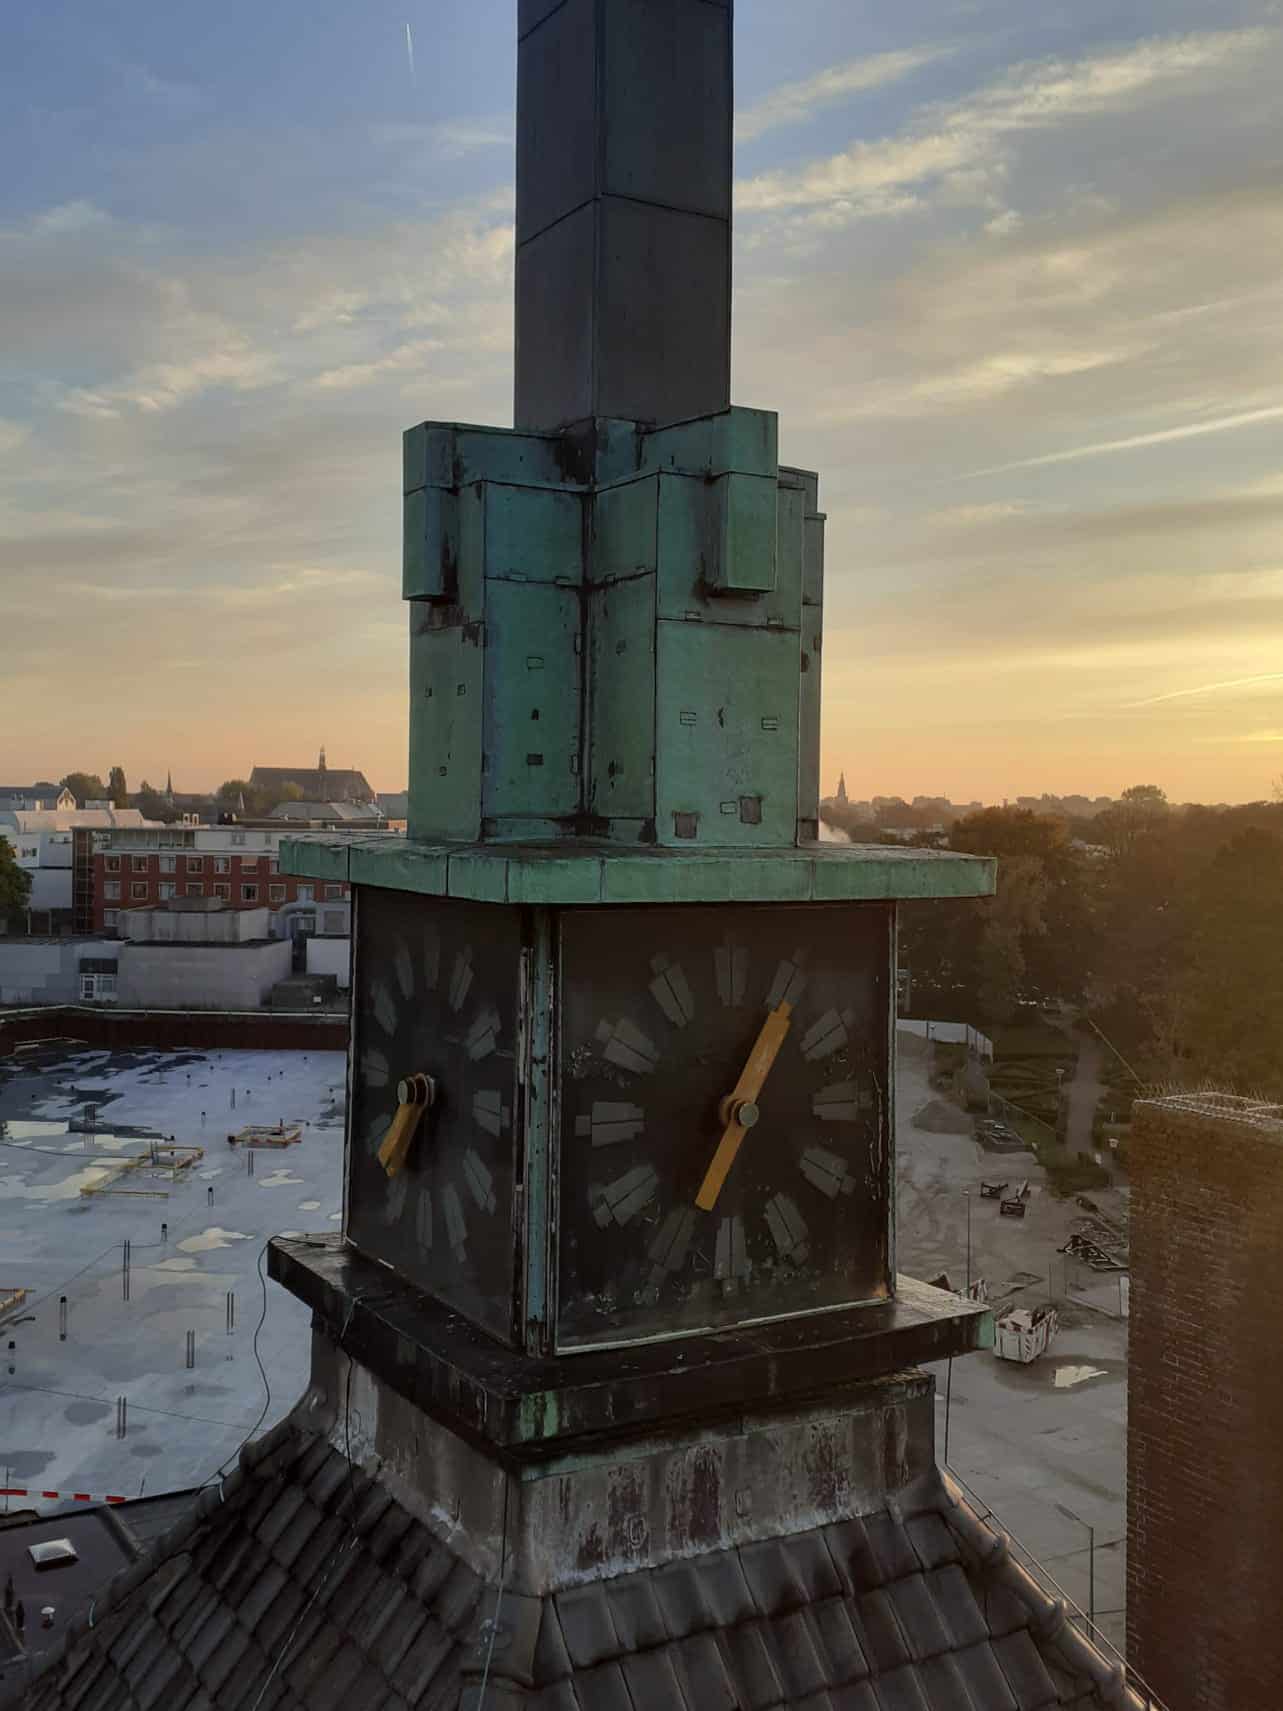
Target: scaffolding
267	1135
10	1301
163	1158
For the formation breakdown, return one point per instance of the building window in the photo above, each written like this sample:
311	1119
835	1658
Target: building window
138	890
306	893
167	864
334	921
97	986
139	864
223	890
165	889
238	838
109	917
249	893
197	890
111	888
276	865
250	863
334	891
195	864
222	864
112	864
276	893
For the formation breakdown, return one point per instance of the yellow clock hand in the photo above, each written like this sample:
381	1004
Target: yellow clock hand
414	1094
738	1110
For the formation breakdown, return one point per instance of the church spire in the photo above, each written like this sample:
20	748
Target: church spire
169	784
841	796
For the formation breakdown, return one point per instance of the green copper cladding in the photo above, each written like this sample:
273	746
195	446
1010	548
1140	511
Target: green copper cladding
613	632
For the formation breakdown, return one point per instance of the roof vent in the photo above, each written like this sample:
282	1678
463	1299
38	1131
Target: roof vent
53	1553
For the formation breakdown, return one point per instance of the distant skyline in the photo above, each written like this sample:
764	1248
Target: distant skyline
1009	274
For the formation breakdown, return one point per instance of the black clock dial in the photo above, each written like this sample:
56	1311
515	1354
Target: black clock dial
435	988
662	1010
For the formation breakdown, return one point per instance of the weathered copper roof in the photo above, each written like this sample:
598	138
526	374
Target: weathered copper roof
301	1582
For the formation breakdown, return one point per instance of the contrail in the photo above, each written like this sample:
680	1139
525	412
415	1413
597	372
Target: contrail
1219	425
1210	688
409	52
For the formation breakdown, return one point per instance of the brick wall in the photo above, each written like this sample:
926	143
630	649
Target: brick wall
244	881
1205	1403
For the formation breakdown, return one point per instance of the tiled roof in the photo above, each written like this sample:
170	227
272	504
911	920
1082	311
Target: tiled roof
303	1584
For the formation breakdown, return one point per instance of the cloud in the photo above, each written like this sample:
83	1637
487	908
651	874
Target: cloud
1162	436
944	140
1231	685
797	102
445	139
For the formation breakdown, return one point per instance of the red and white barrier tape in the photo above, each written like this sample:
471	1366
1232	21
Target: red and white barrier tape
64	1496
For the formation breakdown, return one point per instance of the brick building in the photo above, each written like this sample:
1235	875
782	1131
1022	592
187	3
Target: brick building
1205	1402
238	865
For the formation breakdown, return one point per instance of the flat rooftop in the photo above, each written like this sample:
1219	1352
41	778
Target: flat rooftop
59	1399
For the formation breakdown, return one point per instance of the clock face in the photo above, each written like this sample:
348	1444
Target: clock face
435	992
724	1116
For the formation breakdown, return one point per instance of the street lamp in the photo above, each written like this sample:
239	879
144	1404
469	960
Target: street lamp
967	1196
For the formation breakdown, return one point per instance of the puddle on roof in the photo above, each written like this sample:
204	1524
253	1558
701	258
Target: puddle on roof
309	1205
176	1264
214	1237
1065	1377
18	1188
280	1179
335	1216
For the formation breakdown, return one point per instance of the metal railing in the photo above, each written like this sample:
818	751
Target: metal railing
1076	1615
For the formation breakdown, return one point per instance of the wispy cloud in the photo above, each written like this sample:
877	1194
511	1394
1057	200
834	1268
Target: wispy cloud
943	139
1228	685
1133	442
796	103
444	139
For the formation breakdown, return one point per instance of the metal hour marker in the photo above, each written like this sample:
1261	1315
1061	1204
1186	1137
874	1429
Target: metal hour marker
841	1103
668	1250
489	1112
456	1228
374	1067
482	1037
461	978
627	1195
731	1263
611	1121
423	1219
788	1228
827	1172
731	963
671	990
626	1045
828	1035
384	1007
404	971
479	1180
789	983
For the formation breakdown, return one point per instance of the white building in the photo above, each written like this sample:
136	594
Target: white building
43	842
198	954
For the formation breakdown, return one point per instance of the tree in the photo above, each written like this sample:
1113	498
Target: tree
15	884
85	787
117	788
152	804
1140	813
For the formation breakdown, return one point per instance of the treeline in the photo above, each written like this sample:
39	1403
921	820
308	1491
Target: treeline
1165	925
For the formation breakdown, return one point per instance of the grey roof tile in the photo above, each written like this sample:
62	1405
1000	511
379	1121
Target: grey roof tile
986	1683
1031	1686
635	1611
943	1686
797	1655
457	1597
680	1595
853	1555
1002	1610
724	1588
561	1696
391	1529
839	1643
857	1696
304	1525
955	1600
552	1660
919	1619
403	1628
604	1689
774	1577
931	1539
749	1652
332	1684
587	1625
885	1648
899	1690
210	1636
650	1679
505	1631
225	1658
701	1670
891	1545
422	1661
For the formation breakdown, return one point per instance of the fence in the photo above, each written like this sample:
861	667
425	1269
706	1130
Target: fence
951	1033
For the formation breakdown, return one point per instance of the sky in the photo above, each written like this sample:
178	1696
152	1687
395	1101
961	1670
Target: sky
1012	276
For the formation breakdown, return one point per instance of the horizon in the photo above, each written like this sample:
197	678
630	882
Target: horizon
1008	280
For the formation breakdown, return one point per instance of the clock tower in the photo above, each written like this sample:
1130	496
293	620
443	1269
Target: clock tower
616	1281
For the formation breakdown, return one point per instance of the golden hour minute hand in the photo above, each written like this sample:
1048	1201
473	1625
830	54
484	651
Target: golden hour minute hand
738	1111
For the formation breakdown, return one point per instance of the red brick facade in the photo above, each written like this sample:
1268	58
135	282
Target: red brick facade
129	879
1205	1404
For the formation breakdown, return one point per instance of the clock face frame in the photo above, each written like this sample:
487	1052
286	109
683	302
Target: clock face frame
435	990
660	1010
